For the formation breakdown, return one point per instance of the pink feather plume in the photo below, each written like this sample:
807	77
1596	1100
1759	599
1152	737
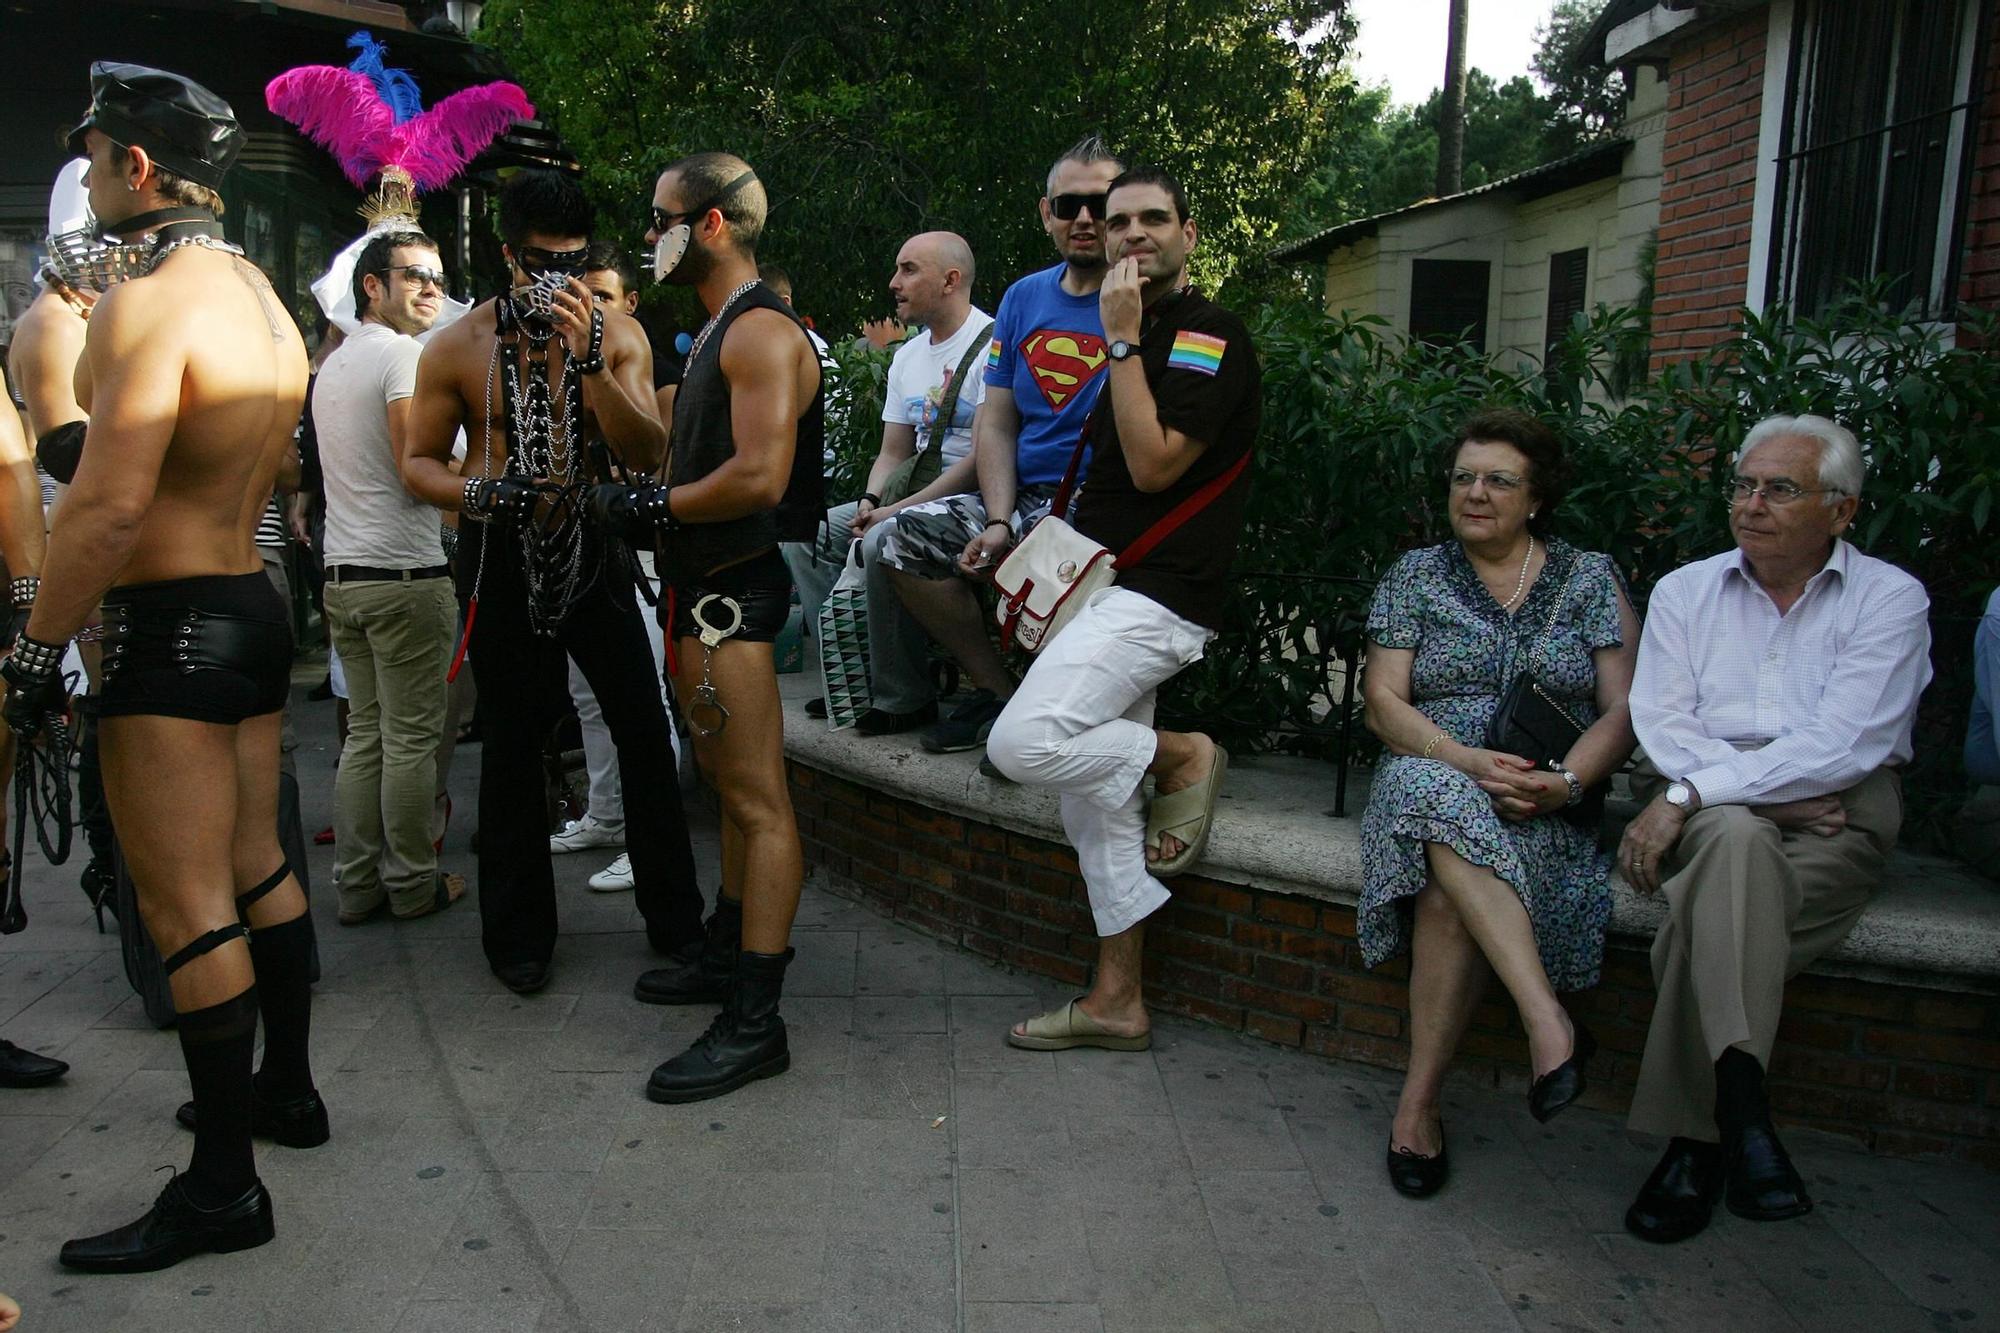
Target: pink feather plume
342	112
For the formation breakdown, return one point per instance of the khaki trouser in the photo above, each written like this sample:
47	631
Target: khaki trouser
395	640
1749	906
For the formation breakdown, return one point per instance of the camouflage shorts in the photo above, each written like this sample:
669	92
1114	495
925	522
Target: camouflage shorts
927	539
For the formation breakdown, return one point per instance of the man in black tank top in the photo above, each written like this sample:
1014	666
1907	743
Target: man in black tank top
743	473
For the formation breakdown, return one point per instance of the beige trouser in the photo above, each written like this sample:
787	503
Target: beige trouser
395	640
1749	906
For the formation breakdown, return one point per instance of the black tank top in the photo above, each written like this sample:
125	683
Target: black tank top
703	441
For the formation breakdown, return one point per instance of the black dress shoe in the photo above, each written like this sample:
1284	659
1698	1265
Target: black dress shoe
1416	1176
1763	1185
816	708
25	1069
881	722
1679	1197
522	978
297	1123
1566	1082
175	1228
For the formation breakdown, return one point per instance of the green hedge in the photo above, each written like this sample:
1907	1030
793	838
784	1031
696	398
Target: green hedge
1347	480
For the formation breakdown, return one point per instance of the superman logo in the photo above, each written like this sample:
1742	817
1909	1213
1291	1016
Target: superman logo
1062	362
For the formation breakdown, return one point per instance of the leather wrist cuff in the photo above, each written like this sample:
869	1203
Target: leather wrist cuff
23	590
470	500
872	498
32	657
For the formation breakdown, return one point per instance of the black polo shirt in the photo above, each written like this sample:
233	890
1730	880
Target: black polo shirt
1206	384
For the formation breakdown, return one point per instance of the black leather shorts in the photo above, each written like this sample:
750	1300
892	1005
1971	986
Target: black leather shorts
212	649
761	585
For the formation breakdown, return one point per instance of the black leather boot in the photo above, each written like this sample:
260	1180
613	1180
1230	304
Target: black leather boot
746	1041
702	970
175	1228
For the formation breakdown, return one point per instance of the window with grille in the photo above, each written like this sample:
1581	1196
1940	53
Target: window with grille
1876	152
1569	281
1448	301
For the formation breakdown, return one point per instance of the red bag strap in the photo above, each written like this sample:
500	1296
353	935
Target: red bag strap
1059	507
1181	513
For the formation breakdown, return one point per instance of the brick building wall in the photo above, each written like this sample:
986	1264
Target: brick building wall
1904	1070
1979	278
1707	186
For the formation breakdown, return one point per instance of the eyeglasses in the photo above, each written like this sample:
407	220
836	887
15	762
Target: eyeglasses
1774	492
1069	207
420	275
1461	480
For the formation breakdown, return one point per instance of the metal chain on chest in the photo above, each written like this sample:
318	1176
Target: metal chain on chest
202	239
701	339
546	443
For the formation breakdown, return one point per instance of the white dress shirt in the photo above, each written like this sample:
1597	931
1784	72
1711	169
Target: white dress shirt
1751	707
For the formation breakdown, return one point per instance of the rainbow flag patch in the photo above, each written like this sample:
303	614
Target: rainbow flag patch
993	355
1197	351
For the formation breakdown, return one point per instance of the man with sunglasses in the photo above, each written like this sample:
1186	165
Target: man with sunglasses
390	611
1775	694
553	391
1044	371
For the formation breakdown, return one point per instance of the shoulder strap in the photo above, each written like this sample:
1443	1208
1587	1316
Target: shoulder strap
948	406
1181	513
1059	506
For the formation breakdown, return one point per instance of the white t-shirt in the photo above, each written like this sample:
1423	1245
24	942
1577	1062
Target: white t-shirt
917	379
370	518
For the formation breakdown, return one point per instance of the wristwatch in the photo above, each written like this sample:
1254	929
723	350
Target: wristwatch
1122	349
1681	797
1575	787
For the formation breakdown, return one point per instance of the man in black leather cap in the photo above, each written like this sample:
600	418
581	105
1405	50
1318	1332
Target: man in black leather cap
193	376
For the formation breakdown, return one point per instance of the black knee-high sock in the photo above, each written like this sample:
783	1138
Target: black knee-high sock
1739	1091
218	1043
282	955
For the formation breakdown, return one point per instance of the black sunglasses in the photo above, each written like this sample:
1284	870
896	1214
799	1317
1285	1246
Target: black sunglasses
1069	206
664	222
535	260
420	275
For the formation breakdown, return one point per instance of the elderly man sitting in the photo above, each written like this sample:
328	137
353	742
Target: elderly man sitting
1775	692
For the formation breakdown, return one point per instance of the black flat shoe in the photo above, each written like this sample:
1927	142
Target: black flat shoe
1679	1197
816	708
522	978
1416	1176
1566	1082
1763	1186
25	1069
175	1228
298	1123
882	722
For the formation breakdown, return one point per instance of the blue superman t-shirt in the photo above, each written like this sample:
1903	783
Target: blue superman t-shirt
1048	348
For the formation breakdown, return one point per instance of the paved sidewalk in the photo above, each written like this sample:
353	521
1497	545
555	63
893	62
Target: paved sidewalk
496	1166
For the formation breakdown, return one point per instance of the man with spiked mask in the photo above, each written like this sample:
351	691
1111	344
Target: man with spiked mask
744	475
193	375
551	392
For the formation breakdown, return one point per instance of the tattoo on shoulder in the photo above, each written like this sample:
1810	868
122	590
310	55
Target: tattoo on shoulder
253	278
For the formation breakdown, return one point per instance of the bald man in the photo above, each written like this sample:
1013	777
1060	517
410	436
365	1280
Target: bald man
936	383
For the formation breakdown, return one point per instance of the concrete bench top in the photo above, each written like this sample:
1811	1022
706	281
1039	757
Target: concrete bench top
1936	924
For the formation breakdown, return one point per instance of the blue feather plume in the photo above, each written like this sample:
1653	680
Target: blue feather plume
397	89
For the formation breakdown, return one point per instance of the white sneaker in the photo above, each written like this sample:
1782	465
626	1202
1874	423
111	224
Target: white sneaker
615	877
580	835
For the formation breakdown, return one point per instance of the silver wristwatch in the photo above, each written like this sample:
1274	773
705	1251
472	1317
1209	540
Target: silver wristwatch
1575	787
1681	797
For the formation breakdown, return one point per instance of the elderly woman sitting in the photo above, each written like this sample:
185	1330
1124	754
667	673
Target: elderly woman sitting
1473	857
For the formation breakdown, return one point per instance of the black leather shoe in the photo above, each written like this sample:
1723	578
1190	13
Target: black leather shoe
746	1041
702	971
1416	1176
522	978
881	722
175	1229
1763	1186
1679	1197
297	1123
816	708
25	1069
1566	1082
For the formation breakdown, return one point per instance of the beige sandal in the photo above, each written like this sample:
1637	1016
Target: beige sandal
1186	815
1069	1027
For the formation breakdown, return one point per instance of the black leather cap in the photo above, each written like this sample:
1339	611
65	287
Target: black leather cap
183	126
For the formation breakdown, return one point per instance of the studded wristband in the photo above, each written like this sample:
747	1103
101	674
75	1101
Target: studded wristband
469	502
32	657
23	590
593	360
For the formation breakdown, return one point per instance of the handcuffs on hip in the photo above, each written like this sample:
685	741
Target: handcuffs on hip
705	697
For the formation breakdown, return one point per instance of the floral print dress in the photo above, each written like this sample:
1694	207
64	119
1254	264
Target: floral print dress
1467	652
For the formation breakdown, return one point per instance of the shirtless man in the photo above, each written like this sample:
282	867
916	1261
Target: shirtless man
550	390
193	375
744	474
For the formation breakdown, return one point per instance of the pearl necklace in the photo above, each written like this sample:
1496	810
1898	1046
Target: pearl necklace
701	339
1521	583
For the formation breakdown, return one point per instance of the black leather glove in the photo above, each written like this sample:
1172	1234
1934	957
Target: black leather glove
635	513
35	694
508	499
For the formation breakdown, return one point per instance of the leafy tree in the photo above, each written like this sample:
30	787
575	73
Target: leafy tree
1585	101
868	123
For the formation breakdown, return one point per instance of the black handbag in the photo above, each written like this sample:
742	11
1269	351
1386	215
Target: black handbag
1532	723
